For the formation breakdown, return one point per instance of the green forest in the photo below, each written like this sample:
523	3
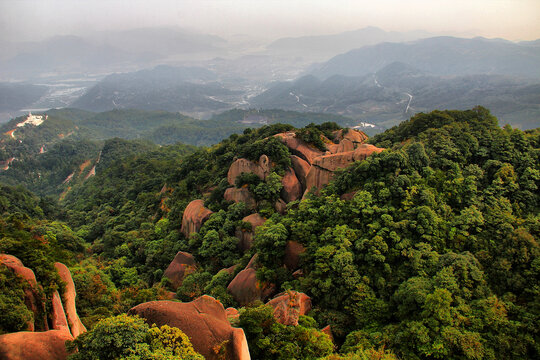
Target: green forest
426	250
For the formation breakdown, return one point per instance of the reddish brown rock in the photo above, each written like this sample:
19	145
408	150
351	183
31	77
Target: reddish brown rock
293	250
245	236
348	196
299	147
75	324
230	270
245	166
280	206
240	195
58	316
264	163
328	331
289	306
194	216
31	294
24	345
322	170
292	190
232	314
246	289
301	169
298	274
203	320
182	265
355	136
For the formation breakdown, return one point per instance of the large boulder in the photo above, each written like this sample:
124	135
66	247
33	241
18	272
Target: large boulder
288	307
31	293
241	166
299	147
245	236
182	265
246	289
194	216
75	324
301	169
204	321
293	250
292	189
25	345
240	195
323	167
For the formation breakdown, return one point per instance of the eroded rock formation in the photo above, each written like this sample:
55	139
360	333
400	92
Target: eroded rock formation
245	288
204	321
75	324
194	216
31	294
299	147
25	345
289	306
292	189
182	265
240	195
245	236
293	250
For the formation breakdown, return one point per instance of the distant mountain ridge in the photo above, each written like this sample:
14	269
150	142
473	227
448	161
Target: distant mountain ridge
440	56
330	45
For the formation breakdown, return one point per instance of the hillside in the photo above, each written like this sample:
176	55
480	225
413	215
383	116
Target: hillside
398	90
414	244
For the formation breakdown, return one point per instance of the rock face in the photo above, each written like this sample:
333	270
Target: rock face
289	306
31	294
245	288
299	147
24	345
194	216
354	136
245	166
246	236
293	250
301	169
280	206
58	316
240	195
204	321
182	265
322	170
74	321
292	189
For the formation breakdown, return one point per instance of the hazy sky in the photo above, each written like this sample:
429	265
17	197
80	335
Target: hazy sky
510	19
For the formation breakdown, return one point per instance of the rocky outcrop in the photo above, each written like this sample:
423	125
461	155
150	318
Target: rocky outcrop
301	169
240	195
245	288
280	206
328	331
293	250
31	294
58	316
194	216
241	166
289	306
292	189
352	135
323	167
75	324
24	345
299	147
245	236
182	265
232	313
204	321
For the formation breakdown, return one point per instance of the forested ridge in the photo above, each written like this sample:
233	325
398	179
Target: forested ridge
427	249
